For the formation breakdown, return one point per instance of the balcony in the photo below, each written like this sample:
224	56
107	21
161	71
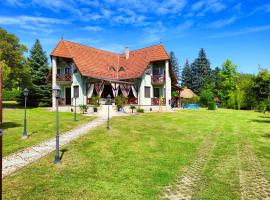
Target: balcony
63	77
155	101
158	80
132	100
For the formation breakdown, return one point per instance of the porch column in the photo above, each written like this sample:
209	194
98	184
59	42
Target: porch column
168	84
54	72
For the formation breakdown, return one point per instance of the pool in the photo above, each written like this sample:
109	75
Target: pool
188	106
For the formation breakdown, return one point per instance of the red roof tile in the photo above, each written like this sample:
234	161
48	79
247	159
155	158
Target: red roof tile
98	63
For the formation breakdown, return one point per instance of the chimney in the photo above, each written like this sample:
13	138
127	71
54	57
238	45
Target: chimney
127	52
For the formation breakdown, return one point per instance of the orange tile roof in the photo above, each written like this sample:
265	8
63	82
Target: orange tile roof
97	63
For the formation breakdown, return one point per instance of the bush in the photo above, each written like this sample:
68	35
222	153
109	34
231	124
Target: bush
95	101
140	110
132	107
212	105
206	97
192	100
120	101
83	108
262	106
11	95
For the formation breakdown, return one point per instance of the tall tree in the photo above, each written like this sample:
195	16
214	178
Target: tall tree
38	62
16	72
175	65
200	72
228	76
186	75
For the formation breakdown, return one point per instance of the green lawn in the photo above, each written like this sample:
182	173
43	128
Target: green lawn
143	154
40	126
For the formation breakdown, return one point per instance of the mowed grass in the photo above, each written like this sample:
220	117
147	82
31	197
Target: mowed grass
40	126
141	155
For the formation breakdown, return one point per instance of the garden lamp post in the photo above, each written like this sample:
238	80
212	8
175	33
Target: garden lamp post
25	94
75	111
57	94
108	118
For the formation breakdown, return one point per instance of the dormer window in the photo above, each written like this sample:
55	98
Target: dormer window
112	68
121	69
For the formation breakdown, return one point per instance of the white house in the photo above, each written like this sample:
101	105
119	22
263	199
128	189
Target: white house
144	76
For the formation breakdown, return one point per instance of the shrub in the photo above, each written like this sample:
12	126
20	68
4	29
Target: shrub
140	110
132	107
192	100
11	95
212	105
95	101
262	106
206	96
83	108
120	101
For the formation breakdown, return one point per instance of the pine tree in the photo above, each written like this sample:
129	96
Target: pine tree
175	66
186	75
200	72
40	93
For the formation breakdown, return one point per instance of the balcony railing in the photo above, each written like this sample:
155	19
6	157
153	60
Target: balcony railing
158	79
155	101
63	77
132	100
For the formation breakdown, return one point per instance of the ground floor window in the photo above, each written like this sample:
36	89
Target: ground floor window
147	92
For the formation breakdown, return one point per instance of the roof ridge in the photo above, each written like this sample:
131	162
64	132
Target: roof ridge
147	47
90	47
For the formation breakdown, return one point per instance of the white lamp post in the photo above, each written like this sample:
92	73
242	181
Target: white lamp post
25	94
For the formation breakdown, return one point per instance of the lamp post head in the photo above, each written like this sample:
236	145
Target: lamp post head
108	100
25	92
56	91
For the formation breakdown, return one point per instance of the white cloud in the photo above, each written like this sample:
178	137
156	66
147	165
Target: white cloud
222	23
197	6
93	28
186	25
242	32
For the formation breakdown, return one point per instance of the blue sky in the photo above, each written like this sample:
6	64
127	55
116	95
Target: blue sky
239	30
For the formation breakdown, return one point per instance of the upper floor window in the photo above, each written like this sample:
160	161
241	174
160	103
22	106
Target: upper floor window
158	70
67	70
156	92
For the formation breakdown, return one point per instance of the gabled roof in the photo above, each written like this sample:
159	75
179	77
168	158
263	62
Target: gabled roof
97	63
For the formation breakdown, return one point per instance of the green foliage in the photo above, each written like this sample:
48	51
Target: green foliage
262	106
212	105
175	66
11	95
200	72
206	96
83	108
175	94
120	101
16	71
40	92
193	100
262	85
186	75
95	101
140	110
228	76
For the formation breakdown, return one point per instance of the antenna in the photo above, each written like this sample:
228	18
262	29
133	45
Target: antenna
62	36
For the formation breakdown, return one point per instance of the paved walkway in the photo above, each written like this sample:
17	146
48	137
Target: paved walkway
22	158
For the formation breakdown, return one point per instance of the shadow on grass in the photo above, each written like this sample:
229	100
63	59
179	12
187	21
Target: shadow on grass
267	117
261	120
7	125
267	135
62	153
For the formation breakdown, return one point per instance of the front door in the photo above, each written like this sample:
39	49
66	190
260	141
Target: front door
68	96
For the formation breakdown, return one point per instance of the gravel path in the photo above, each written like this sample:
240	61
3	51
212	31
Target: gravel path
253	184
22	158
184	186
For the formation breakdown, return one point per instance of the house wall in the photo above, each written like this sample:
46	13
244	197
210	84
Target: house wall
79	80
168	84
145	81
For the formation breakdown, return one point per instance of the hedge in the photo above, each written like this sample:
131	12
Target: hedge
11	95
